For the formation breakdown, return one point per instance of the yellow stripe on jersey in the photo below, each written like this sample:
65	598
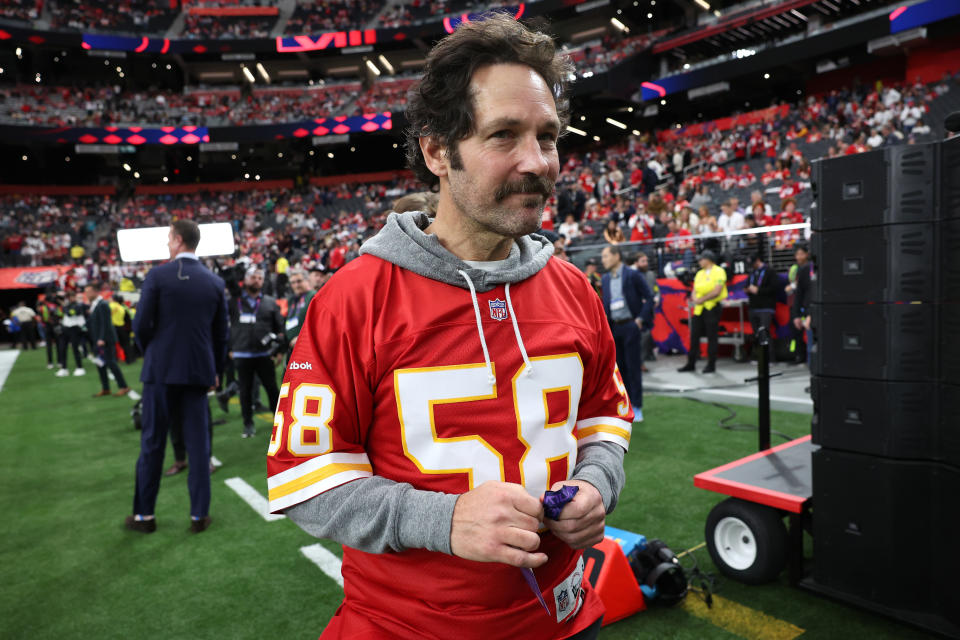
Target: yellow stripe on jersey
275	493
603	428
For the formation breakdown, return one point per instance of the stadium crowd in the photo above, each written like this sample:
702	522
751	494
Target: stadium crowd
152	16
319	16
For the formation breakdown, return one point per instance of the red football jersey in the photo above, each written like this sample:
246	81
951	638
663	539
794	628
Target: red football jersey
388	377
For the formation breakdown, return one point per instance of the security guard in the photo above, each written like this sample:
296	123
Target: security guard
709	290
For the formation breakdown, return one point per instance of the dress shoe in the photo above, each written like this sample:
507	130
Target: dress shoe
685	368
143	526
122	391
175	468
196	526
709	369
223	399
103	393
248	431
644	369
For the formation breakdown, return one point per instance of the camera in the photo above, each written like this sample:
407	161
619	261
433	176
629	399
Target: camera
272	342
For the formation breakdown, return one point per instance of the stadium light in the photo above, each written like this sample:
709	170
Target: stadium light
165	179
330	155
596	138
635	132
616	123
717	13
19	53
703	4
24	158
126	167
373	68
386	64
619	25
248	74
263	73
798	14
766	76
579	132
136	174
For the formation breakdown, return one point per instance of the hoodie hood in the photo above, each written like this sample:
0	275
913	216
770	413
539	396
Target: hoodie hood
402	242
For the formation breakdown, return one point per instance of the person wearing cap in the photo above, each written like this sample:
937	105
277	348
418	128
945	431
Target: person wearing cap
628	303
709	290
593	275
762	294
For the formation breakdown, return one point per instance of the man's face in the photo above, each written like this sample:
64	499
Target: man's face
501	175
174	243
298	283
643	262
90	293
801	256
316	279
609	259
253	281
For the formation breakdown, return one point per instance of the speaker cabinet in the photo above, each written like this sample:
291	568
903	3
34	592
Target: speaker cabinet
885	533
876	341
904	420
886	186
892	263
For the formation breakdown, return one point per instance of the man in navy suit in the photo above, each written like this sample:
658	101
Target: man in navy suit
181	326
103	335
628	302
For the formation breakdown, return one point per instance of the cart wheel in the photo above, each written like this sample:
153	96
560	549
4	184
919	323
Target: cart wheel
747	541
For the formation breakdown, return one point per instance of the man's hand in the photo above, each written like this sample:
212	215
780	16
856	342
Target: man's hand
753	289
582	519
100	343
798	323
497	522
639	322
806	322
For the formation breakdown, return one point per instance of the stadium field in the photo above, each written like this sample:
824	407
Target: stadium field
69	569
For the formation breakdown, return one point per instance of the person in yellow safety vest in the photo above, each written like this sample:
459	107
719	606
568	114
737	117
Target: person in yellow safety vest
121	322
709	290
282	265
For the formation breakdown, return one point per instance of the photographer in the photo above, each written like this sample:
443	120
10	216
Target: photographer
256	326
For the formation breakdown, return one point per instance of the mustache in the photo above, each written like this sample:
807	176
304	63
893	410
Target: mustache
530	184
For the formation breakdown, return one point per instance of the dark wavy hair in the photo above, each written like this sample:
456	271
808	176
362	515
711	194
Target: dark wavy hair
441	104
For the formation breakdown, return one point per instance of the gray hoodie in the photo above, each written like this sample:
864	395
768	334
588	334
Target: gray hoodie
377	514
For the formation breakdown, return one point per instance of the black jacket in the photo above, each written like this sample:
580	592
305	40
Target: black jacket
766	295
249	336
101	325
801	297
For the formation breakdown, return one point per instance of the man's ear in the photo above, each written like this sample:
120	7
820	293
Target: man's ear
435	156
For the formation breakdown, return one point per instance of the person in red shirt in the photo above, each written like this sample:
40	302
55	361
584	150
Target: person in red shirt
455	371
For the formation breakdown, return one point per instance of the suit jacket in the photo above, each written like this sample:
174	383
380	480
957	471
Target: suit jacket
181	324
636	293
101	324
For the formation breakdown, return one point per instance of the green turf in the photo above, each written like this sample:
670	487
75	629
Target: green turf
68	569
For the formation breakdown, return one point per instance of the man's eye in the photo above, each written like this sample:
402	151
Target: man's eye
503	133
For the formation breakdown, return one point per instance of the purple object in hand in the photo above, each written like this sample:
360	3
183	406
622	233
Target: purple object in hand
554	501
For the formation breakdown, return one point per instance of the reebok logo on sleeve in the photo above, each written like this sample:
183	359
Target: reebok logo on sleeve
301	366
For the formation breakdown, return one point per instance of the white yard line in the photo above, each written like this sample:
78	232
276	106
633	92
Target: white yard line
253	498
7	358
328	562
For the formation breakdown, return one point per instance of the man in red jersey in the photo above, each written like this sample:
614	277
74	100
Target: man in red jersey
454	372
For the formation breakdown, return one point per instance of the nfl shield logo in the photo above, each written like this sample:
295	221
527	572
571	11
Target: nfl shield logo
498	309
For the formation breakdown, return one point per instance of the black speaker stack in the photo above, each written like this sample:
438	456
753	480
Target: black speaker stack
886	385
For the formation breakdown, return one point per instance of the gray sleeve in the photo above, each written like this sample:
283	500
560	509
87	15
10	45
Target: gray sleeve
377	515
601	464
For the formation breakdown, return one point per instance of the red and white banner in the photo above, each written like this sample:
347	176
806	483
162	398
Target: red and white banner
30	277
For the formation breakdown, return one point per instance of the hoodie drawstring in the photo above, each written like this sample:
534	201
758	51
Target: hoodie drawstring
483	342
528	371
